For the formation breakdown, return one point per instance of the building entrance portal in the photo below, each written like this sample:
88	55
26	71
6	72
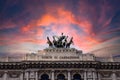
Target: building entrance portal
77	77
44	77
60	77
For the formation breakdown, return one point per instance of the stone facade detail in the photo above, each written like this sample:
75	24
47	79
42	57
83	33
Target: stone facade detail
59	64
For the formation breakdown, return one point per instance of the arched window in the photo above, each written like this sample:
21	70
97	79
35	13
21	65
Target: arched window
44	77
76	77
60	77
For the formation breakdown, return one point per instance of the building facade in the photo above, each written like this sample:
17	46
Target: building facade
59	63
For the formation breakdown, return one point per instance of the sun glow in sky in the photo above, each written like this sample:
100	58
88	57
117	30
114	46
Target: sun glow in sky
25	24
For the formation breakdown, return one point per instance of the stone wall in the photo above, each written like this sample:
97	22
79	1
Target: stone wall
35	74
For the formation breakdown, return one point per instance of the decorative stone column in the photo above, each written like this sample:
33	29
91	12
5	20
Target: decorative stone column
27	75
85	75
21	76
5	76
53	77
99	76
94	77
36	75
114	76
69	77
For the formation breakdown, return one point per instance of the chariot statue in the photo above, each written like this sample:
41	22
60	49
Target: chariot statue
60	41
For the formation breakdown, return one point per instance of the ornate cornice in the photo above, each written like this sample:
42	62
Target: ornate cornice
59	64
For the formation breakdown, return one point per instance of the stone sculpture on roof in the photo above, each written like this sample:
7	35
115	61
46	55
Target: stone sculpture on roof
60	41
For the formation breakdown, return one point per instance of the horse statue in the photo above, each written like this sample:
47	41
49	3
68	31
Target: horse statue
59	42
49	42
69	43
65	42
54	42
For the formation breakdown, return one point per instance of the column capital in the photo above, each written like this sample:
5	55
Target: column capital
22	71
5	71
85	70
36	71
69	70
53	70
113	71
27	71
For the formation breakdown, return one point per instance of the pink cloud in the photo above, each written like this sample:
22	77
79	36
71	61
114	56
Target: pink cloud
61	22
59	19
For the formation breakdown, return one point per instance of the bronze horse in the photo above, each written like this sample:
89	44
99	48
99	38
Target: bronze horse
49	42
69	43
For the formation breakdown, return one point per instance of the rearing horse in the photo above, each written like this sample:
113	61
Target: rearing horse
69	43
49	42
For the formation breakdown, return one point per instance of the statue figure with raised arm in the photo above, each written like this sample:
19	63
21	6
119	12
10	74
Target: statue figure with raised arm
65	42
54	42
61	37
60	41
49	42
69	43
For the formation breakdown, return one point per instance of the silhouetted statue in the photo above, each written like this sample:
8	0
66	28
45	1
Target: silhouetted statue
69	43
49	42
61	38
54	42
60	42
65	42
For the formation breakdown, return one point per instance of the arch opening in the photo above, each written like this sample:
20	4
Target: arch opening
61	77
77	77
44	77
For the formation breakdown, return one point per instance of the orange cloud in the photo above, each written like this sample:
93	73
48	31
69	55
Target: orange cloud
61	22
46	20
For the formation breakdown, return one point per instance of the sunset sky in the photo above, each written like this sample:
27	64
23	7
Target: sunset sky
25	24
